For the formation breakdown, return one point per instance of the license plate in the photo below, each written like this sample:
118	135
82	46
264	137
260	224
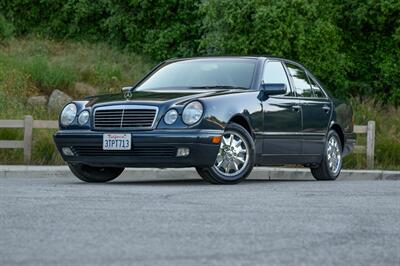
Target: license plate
117	141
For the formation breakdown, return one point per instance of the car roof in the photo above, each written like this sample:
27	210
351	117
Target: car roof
256	57
213	57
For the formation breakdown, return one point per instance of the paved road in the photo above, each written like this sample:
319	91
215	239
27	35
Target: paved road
60	221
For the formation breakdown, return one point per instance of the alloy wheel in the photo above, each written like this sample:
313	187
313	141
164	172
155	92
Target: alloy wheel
233	155
334	155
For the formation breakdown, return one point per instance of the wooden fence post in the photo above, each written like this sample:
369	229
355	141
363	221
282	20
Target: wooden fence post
370	144
28	126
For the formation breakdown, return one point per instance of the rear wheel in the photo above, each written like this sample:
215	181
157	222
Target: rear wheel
331	163
94	174
235	158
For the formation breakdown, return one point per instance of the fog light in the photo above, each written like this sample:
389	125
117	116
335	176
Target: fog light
67	151
182	152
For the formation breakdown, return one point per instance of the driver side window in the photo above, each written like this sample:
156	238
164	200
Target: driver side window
275	73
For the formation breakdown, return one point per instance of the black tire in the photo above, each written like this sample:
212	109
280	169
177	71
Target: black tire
93	174
322	171
211	175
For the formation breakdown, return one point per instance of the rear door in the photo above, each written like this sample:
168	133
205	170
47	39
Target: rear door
282	118
316	110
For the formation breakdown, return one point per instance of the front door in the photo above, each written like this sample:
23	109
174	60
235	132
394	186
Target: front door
282	119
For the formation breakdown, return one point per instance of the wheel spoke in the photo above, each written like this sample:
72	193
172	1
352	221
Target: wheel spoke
238	143
219	159
227	167
240	160
235	166
224	141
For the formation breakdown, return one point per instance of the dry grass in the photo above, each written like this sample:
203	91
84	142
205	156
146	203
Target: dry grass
35	67
31	66
387	142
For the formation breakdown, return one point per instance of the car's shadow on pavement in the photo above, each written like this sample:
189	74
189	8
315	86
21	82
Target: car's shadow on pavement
185	182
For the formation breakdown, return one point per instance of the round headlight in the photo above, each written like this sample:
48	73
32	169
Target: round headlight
68	114
170	117
192	113
83	117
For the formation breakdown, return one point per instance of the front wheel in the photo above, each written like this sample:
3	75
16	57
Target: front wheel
235	157
331	163
93	174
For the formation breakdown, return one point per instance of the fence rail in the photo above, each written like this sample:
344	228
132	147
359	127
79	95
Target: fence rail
28	124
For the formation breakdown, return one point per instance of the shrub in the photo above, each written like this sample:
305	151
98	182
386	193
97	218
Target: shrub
291	29
47	77
352	46
6	29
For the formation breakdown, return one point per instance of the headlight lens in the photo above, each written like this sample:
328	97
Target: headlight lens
192	113
83	117
170	117
68	114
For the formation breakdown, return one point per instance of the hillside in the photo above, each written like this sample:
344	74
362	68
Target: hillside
34	66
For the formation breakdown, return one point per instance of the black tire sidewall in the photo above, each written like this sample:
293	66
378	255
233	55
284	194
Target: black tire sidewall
94	174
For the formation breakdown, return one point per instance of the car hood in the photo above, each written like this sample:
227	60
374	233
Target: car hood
156	97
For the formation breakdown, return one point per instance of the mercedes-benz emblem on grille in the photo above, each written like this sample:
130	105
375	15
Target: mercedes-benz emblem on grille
128	95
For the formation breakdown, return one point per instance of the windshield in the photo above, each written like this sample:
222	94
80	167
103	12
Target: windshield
202	73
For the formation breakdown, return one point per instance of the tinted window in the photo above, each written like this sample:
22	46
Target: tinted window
202	73
275	73
301	83
316	89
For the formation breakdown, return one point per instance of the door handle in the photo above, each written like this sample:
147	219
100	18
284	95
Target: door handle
326	109
296	108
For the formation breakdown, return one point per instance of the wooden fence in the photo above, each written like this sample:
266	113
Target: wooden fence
369	148
28	124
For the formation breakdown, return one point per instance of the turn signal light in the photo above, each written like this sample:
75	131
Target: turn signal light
216	139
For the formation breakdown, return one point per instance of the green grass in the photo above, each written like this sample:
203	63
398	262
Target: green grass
34	66
387	141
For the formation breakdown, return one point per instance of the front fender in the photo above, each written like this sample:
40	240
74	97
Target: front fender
219	110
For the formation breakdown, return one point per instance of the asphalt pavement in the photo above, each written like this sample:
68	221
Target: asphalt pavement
62	221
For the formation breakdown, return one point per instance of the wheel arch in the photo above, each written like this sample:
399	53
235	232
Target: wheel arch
241	120
339	131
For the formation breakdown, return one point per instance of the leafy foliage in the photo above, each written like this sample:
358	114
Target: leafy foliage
6	29
352	46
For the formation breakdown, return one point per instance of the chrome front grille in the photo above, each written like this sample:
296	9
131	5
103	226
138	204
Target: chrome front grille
125	117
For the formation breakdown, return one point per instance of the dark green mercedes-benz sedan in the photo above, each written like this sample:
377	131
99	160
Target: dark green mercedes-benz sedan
221	115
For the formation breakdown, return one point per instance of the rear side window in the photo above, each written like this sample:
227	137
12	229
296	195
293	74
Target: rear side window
300	80
316	89
275	73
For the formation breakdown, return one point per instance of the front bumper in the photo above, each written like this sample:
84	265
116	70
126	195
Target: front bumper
155	148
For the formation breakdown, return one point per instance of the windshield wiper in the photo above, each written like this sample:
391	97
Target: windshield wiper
218	87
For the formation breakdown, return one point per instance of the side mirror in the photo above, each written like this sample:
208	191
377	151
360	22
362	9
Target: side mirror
273	88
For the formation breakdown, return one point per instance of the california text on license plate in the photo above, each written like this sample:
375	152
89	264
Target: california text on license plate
117	141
